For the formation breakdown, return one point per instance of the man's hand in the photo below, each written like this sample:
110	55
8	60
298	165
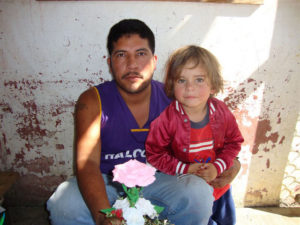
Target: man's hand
112	221
227	176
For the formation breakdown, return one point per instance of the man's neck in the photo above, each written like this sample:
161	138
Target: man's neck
135	98
138	104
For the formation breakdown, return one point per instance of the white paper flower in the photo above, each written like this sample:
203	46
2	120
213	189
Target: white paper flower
133	216
121	204
146	208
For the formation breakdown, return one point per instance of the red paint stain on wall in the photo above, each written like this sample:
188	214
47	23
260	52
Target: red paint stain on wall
4	138
282	140
28	85
5	107
39	165
58	122
268	163
278	118
263	127
257	193
60	146
19	157
90	83
61	109
29	125
239	95
3	146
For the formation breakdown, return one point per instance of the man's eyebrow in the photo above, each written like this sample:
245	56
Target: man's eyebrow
142	49
138	50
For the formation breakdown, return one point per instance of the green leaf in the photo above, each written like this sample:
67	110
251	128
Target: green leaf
106	211
158	209
133	194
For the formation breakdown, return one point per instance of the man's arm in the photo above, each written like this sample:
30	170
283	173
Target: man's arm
88	152
227	176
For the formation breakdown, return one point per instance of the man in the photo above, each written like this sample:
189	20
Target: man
112	120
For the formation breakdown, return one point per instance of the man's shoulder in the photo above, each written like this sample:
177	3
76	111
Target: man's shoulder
158	95
157	84
158	88
107	89
105	85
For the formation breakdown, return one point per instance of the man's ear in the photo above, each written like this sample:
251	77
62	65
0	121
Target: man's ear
155	61
109	63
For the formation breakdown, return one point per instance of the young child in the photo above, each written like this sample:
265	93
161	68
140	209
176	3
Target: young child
196	134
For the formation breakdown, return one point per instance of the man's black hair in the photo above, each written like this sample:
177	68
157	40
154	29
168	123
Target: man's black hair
127	27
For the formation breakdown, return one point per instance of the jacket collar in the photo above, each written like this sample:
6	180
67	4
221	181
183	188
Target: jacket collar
180	109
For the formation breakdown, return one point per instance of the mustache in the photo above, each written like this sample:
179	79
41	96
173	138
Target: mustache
131	73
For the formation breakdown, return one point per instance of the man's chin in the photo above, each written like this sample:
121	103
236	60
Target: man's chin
134	88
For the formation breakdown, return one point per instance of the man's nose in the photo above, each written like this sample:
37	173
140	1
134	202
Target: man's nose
131	62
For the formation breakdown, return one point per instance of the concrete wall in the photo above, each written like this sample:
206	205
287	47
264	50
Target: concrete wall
52	51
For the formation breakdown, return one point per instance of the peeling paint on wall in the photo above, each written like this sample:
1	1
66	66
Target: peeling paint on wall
263	136
256	194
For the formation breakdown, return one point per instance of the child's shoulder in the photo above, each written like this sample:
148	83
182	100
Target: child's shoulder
216	101
169	111
218	104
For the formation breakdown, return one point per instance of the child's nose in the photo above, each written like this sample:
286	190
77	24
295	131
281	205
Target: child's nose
189	85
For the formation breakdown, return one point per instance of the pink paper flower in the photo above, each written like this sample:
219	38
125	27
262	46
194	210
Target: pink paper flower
134	173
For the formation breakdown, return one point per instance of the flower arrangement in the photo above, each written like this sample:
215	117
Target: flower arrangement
134	209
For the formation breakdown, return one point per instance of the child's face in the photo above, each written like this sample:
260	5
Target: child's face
193	87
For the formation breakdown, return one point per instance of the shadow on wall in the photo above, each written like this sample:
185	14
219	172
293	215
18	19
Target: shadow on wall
271	144
272	86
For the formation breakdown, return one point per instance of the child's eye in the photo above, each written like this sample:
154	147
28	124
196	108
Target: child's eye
180	81
199	80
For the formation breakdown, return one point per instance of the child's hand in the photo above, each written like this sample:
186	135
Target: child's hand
194	167
207	171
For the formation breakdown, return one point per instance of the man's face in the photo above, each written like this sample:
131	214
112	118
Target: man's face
132	63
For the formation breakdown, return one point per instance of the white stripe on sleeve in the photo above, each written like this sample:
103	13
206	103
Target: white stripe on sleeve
178	167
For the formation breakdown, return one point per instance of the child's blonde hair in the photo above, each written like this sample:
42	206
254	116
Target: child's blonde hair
198	56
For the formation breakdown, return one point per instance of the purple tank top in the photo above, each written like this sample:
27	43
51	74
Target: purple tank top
121	138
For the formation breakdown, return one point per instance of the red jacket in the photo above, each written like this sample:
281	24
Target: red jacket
167	144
